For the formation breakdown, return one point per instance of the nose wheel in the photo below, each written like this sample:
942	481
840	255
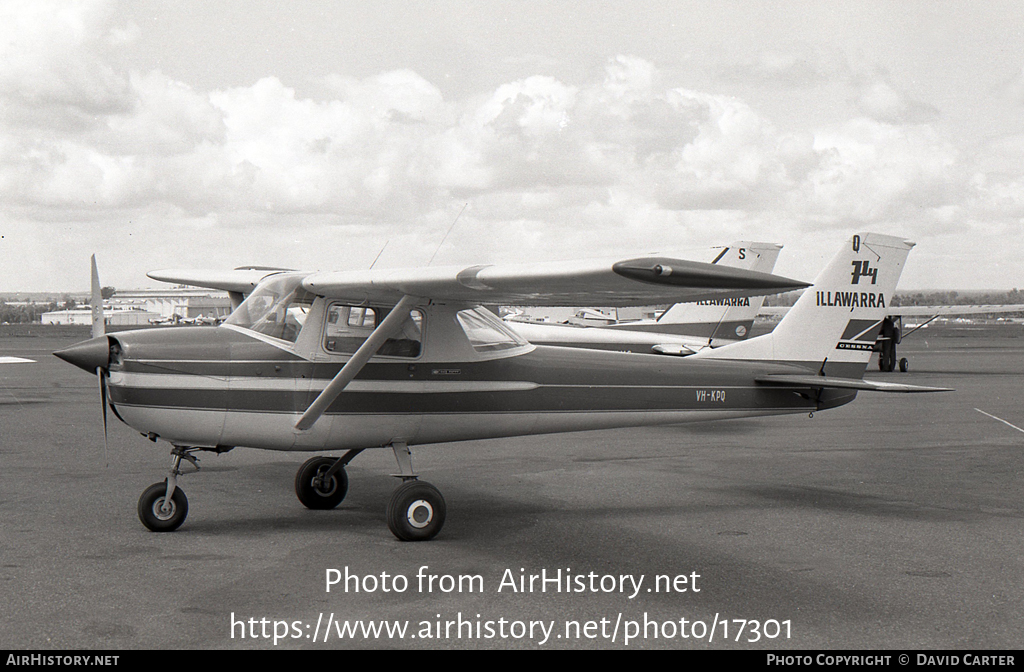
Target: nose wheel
163	507
159	513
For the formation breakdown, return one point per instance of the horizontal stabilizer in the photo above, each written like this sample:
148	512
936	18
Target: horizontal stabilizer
843	383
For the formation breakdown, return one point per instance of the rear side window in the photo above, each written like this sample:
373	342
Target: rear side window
348	326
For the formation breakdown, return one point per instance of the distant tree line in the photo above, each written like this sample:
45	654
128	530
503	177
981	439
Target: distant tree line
18	313
953	298
24	314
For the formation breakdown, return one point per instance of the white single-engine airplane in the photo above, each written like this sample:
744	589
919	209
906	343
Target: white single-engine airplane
394	358
683	329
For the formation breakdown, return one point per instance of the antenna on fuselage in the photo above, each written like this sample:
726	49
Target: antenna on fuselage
446	235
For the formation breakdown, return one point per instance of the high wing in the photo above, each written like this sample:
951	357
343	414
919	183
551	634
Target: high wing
15	360
637	281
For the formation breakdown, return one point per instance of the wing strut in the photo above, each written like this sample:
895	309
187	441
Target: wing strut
920	326
388	327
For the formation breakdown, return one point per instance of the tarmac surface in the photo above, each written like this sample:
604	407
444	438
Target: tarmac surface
895	522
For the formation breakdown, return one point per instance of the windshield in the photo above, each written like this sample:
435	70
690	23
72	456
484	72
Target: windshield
277	308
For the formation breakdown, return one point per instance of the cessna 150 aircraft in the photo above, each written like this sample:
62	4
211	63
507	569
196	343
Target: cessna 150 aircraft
683	329
394	358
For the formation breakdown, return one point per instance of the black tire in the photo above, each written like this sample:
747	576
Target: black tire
327	496
416	511
904	365
152	500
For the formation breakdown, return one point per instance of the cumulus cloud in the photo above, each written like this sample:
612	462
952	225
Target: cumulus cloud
54	73
801	66
1013	88
879	99
797	65
871	172
546	167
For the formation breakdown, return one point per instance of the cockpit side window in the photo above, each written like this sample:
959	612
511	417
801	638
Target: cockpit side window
348	326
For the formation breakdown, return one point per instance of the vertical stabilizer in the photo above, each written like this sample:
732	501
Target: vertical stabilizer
833	326
723	320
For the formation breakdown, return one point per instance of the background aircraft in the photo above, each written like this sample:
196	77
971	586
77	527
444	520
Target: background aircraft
393	358
684	328
892	331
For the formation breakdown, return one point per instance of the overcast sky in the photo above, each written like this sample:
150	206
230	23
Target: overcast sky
314	134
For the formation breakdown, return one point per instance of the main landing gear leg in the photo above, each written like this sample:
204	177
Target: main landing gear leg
321	482
416	510
890	338
163	507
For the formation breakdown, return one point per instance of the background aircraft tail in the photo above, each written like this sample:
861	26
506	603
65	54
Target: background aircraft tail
723	320
833	326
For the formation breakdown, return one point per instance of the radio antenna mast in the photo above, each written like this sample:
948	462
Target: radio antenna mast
379	253
446	235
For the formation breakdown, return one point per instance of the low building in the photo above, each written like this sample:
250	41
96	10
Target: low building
185	302
114	317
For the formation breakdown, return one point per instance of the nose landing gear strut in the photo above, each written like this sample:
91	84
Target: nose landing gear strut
163	507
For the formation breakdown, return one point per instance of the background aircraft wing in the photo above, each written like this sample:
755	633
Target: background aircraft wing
933	311
921	311
240	280
626	282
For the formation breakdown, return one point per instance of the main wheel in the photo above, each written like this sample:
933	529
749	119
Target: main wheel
311	488
904	365
416	511
151	511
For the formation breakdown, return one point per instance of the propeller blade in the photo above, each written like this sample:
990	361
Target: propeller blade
96	301
102	375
